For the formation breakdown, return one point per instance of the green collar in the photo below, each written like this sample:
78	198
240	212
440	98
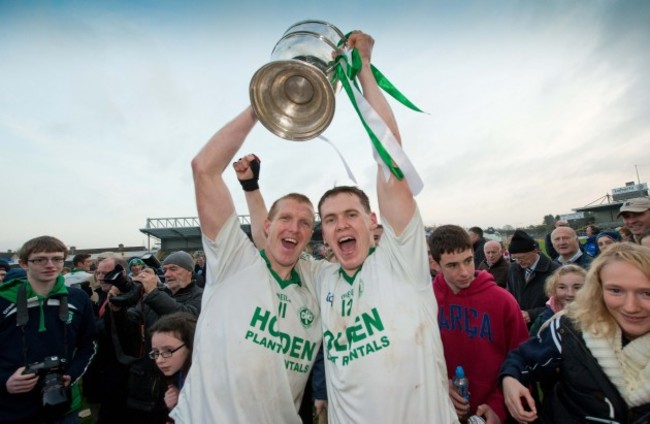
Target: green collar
59	288
350	279
294	278
10	290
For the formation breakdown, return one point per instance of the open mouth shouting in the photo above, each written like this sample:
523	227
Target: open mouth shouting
289	243
347	246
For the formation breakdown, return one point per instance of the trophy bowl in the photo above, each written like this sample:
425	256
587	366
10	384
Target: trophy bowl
293	95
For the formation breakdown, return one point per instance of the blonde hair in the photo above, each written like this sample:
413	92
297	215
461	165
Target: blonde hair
588	311
553	280
300	198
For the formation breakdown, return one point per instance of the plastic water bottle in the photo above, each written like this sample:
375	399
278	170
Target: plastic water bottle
461	385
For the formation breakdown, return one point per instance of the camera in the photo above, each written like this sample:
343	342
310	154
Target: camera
117	278
56	400
151	260
130	291
128	298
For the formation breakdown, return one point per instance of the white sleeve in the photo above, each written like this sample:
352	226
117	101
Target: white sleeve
408	252
231	251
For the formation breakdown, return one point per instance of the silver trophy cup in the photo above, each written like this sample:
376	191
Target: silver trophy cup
293	94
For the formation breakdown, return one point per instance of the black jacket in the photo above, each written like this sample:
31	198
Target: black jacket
145	388
479	254
163	302
580	389
499	270
530	296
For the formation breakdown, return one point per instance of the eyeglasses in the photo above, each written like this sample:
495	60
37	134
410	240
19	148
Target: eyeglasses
58	260
154	354
521	258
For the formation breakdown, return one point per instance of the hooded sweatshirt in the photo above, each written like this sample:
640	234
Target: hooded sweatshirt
479	325
44	335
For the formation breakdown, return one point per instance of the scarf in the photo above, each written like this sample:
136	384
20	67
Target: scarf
628	368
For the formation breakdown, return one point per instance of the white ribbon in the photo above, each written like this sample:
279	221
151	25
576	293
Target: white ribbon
345	164
387	139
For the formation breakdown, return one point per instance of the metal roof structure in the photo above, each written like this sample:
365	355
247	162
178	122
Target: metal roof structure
185	232
606	206
183	227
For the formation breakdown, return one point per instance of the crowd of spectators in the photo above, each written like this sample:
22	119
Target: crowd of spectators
134	354
103	342
377	328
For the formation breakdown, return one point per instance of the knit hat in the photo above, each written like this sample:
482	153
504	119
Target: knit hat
638	205
136	261
521	243
180	258
15	273
5	265
614	235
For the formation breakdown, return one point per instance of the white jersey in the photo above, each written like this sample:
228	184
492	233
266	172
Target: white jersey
384	358
256	339
77	277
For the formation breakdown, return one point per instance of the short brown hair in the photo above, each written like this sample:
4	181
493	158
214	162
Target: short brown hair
80	259
350	190
183	326
448	239
46	244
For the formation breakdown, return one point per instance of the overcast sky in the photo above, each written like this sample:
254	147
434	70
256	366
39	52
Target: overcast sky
533	107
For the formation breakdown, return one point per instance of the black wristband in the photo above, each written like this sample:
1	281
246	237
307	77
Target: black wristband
249	185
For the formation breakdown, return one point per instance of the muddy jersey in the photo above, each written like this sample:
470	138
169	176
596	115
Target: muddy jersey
256	339
384	357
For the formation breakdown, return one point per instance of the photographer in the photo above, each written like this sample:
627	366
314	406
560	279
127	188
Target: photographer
105	383
137	309
179	294
46	339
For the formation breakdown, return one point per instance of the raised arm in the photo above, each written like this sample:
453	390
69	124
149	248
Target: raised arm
247	169
396	202
213	200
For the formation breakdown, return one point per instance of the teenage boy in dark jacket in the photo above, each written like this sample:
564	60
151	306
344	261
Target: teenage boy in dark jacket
42	321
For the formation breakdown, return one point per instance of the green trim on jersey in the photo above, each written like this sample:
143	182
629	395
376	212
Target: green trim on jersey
9	291
350	279
294	278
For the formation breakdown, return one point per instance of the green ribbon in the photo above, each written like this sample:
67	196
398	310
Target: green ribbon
389	88
383	83
383	153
